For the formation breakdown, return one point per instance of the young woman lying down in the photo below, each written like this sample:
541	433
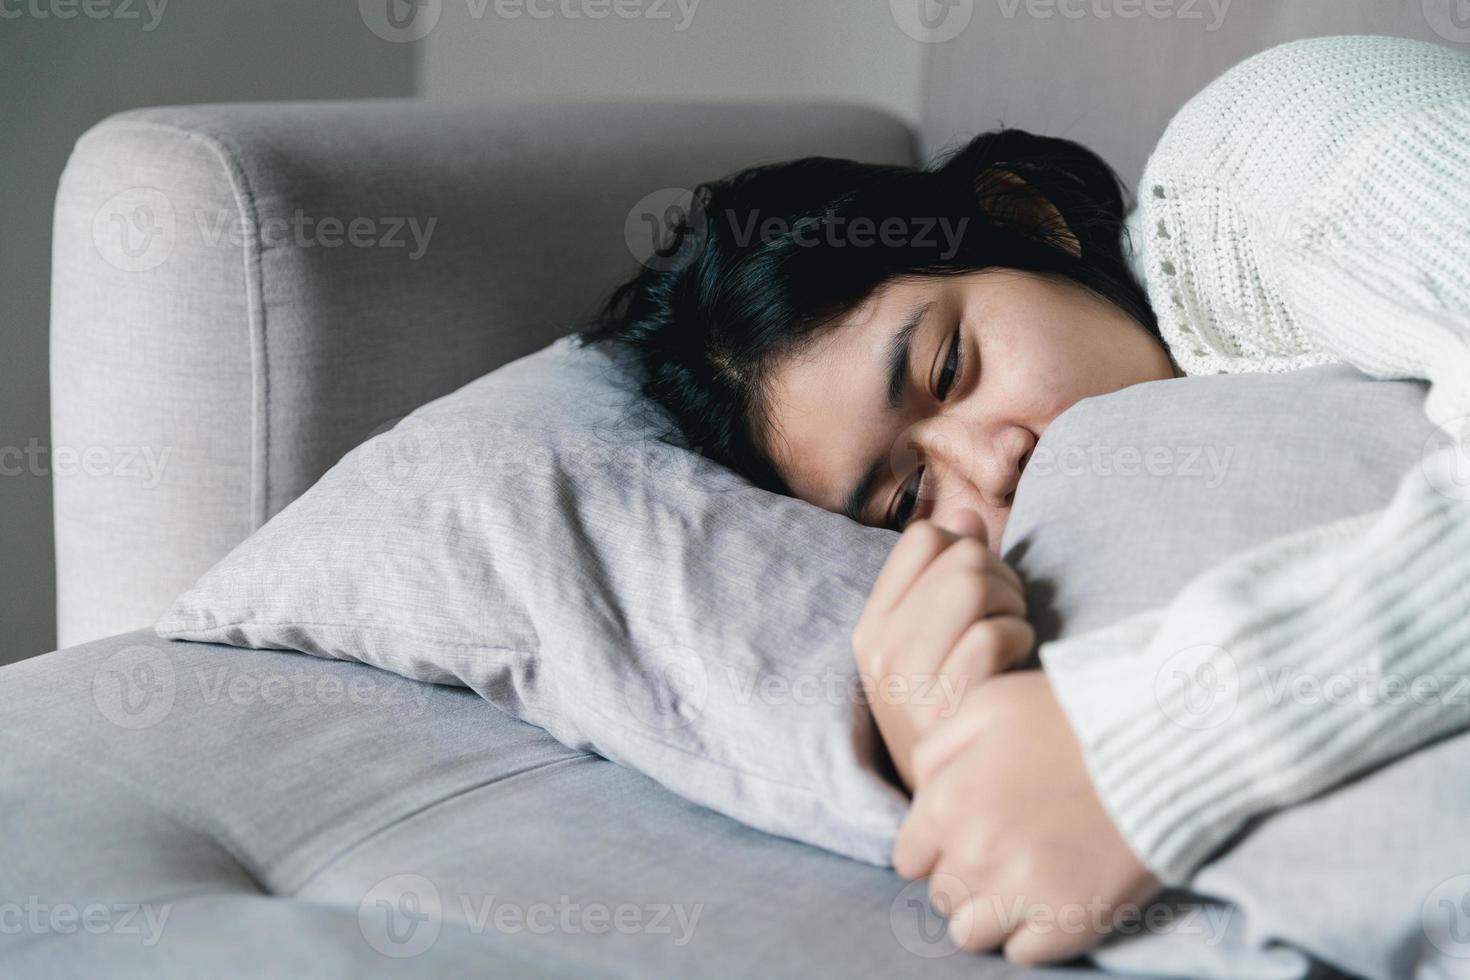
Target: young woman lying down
890	343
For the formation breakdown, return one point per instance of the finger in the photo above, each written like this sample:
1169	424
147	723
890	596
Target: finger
967	523
1004	567
968	554
996	910
989	647
1030	945
917	547
933	623
948	893
944	742
980	924
916	848
1053	931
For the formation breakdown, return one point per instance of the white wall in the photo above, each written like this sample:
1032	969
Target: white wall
58	76
717	49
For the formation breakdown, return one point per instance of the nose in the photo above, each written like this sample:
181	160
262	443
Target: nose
992	465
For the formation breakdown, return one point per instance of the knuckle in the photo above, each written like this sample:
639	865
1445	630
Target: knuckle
986	640
1028	865
943	806
978	846
972	584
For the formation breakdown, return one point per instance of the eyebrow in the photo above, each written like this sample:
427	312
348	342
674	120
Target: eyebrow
899	347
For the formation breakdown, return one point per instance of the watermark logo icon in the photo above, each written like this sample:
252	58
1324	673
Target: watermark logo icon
932	21
1198	687
135	229
1445	917
920	925
401	21
401	916
669	693
1450	19
404	459
1445	459
135	687
666	230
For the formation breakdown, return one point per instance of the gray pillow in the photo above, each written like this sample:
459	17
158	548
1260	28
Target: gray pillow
1129	495
529	536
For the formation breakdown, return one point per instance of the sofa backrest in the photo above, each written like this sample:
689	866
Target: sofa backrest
242	293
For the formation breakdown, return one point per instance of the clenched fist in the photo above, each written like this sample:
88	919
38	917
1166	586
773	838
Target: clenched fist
945	613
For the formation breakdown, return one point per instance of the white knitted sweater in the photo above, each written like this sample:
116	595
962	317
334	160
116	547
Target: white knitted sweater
1310	205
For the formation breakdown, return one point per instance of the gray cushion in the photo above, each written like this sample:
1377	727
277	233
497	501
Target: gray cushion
262	807
530	537
1129	495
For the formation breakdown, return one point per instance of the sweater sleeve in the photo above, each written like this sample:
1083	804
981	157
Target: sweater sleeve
1304	662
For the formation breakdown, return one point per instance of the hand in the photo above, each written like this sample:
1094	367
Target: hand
945	612
1007	825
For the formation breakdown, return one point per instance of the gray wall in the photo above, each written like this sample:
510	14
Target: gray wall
716	49
58	77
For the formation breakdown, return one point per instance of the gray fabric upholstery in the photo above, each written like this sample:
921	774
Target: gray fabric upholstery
243	352
1112	81
259	806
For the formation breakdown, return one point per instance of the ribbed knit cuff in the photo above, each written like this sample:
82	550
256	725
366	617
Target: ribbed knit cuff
1273	677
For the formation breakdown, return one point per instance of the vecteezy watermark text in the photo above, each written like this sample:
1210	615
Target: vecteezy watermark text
402	916
35	459
667	229
138	228
1120	9
1210	463
406	21
37	918
119	10
919	921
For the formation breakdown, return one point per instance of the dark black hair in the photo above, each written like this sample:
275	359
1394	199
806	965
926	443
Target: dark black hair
753	270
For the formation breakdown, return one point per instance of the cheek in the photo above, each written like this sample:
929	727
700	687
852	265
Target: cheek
1047	380
1053	350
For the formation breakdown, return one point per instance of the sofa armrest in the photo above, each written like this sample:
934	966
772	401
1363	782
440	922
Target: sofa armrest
242	293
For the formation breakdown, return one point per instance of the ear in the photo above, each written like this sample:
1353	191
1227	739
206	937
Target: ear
1009	200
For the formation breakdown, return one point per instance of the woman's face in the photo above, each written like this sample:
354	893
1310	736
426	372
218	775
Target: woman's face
991	358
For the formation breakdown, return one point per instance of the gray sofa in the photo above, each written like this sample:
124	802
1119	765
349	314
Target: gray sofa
183	809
